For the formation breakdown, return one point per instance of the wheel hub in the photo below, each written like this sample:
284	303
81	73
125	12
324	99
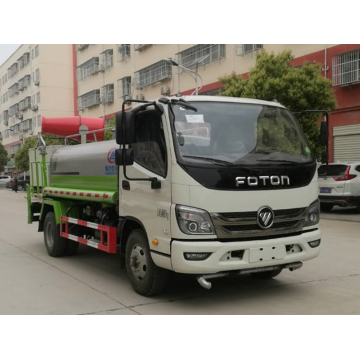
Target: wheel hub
138	262
49	235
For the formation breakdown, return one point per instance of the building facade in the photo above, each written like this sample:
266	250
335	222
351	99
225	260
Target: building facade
109	74
94	80
35	81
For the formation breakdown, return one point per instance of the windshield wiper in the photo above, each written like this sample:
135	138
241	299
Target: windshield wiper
283	161
215	161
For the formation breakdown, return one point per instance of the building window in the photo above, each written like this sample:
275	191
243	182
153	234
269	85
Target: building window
106	59
25	103
107	94
123	51
201	54
36	77
92	98
88	68
247	48
124	87
38	120
12	70
139	47
152	74
13	109
24	60
80	47
346	68
26	125
24	82
14	89
38	97
36	51
214	92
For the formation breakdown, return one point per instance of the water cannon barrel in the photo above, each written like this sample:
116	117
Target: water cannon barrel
65	126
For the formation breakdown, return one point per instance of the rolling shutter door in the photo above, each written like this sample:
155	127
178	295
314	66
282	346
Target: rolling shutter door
346	143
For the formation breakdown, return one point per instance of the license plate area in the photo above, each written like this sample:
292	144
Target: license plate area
325	190
267	253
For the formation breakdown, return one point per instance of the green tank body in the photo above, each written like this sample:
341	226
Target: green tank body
85	167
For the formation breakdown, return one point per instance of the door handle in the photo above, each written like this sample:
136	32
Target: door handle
125	185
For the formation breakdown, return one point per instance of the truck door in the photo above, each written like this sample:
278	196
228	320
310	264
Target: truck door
152	159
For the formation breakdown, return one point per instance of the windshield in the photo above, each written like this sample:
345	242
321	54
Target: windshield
233	133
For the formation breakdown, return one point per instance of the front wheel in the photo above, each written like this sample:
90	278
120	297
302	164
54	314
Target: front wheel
146	278
267	274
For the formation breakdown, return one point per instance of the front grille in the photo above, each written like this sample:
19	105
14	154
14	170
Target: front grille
256	226
244	224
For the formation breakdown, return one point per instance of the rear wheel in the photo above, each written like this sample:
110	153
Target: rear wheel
267	274
54	243
146	278
358	208
326	207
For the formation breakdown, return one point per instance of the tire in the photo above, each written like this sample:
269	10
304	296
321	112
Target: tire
326	207
54	243
71	247
20	188
267	274
358	208
145	277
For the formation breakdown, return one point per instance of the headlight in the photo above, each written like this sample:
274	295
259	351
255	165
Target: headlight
194	221
313	214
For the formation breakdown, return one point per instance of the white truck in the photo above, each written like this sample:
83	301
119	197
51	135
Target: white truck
203	185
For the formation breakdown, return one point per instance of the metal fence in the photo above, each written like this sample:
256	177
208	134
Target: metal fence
152	74
346	68
89	99
88	68
247	48
207	53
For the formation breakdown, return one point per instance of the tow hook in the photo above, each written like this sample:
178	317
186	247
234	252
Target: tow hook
203	280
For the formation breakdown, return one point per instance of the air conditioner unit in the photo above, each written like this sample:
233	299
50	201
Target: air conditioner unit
165	90
140	97
21	136
34	108
6	122
19	115
37	82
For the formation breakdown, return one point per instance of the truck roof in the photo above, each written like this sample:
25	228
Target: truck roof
228	99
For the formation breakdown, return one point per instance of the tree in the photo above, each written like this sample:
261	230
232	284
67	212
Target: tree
22	155
300	88
3	157
109	133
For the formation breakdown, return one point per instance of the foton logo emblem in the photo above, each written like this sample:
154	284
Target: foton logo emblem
265	217
263	180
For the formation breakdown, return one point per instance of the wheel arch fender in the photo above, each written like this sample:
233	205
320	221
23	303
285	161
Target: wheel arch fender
50	205
126	226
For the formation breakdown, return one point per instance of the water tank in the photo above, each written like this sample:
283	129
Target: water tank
85	166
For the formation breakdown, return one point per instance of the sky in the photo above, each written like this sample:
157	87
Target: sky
6	51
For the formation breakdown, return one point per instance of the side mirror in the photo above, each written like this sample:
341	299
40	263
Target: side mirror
324	157
324	134
129	157
125	119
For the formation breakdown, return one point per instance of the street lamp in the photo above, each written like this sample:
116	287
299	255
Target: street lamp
193	74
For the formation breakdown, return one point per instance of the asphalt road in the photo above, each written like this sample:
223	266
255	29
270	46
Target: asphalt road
92	282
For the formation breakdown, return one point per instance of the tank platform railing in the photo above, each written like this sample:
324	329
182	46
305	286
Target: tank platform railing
112	128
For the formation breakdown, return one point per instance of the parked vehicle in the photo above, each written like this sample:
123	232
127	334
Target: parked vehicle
4	179
339	184
21	183
203	185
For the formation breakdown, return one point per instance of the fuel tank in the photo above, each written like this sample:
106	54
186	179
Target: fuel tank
86	166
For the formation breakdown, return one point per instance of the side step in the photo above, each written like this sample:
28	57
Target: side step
108	237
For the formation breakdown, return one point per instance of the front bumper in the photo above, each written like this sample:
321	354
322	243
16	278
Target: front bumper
288	250
340	200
